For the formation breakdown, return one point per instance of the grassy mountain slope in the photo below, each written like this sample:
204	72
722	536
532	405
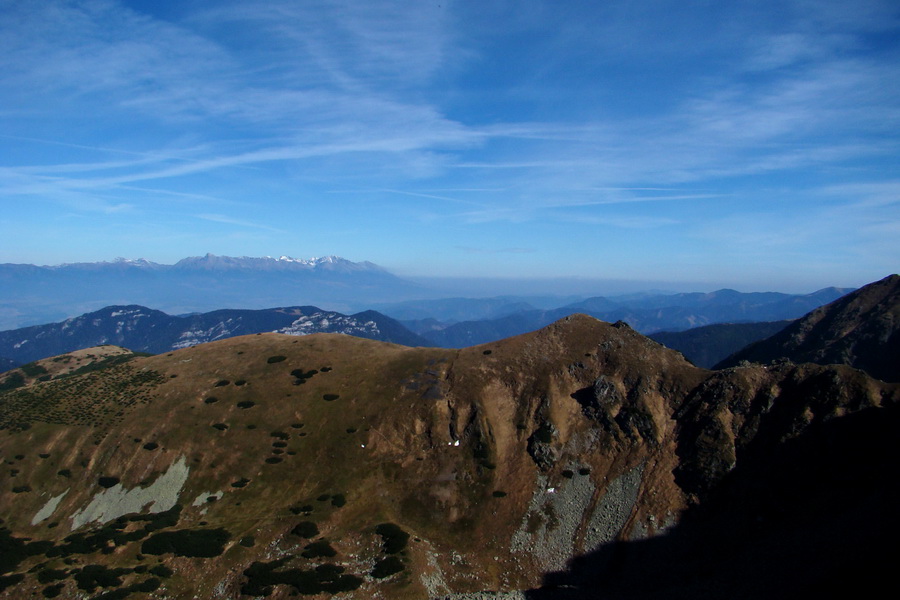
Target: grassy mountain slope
269	465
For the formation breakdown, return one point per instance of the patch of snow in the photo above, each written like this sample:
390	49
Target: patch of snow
204	497
322	322
114	502
47	509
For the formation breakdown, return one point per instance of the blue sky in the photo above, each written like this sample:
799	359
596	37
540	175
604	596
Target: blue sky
703	144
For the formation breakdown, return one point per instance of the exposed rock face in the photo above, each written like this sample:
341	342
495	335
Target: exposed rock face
862	330
439	473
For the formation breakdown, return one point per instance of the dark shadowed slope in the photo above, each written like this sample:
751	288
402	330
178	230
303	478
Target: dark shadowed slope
862	330
708	345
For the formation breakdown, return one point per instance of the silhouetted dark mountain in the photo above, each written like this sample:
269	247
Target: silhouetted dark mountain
862	330
7	363
705	346
146	330
652	314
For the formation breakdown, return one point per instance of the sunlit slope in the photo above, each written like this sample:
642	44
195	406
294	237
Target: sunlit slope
332	464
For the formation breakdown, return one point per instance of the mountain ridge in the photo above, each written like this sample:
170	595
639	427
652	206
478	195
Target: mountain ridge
861	329
650	315
147	330
297	465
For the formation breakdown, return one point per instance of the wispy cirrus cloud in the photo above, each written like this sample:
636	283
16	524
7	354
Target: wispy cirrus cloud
395	113
217	218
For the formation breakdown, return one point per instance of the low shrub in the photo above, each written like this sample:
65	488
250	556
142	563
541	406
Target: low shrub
305	529
393	539
319	549
33	370
162	571
387	567
192	543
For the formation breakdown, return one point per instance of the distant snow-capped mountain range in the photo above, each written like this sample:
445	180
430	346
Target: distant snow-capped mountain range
214	262
34	295
31	294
